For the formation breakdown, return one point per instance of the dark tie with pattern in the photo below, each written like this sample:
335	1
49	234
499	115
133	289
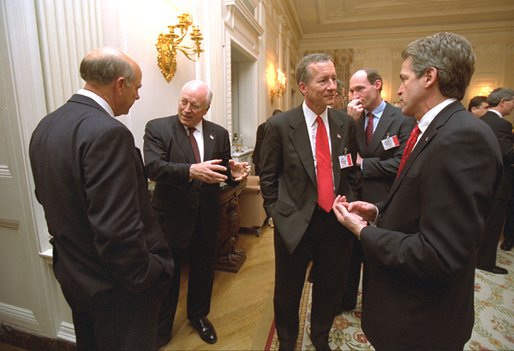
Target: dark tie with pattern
324	168
408	148
369	128
194	144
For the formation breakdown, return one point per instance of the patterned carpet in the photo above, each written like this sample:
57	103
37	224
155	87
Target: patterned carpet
494	316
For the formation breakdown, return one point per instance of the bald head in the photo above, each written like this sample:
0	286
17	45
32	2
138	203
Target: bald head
102	66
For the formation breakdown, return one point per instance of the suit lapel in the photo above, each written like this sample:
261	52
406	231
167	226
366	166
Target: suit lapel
361	134
380	131
209	139
337	137
299	137
425	139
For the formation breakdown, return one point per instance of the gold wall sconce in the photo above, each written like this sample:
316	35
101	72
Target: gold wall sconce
280	86
168	44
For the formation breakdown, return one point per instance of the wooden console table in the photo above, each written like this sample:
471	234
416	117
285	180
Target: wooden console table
229	258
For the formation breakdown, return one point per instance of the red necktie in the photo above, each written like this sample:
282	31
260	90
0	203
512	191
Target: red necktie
194	144
408	148
324	168
369	128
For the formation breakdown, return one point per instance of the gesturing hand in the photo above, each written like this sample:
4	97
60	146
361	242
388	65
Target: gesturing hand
355	215
239	170
208	171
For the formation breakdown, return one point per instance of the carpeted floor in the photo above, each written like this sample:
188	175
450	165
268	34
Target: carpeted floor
494	316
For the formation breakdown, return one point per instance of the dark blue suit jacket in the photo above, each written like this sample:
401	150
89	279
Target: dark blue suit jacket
288	176
420	259
380	165
178	202
90	179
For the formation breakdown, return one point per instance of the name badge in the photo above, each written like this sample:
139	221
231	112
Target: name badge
390	142
345	161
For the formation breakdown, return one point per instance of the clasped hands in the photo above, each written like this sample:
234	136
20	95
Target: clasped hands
354	215
213	171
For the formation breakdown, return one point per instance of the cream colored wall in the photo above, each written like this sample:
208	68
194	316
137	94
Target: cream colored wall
35	303
494	51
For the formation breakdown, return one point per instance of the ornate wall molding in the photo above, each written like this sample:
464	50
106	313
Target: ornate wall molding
9	224
67	30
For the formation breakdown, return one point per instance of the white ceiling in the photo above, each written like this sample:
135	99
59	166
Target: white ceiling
316	18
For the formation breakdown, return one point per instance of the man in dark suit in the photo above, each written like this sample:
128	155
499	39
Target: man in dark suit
188	157
382	131
109	253
508	228
307	158
501	103
420	256
259	137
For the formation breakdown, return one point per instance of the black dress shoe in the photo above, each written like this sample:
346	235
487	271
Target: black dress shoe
506	245
205	329
494	269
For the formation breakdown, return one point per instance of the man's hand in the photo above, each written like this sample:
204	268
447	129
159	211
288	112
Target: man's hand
210	172
355	215
239	170
355	109
358	162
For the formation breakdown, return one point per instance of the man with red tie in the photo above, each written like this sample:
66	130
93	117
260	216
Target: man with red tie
421	252
307	158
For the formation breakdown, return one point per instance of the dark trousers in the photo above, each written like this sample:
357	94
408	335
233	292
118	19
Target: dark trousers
349	300
125	323
486	257
201	256
508	229
329	246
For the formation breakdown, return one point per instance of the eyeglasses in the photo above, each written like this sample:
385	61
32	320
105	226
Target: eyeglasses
192	105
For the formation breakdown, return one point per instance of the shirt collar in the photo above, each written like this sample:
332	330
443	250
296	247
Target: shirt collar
310	116
425	121
497	112
99	100
377	112
198	127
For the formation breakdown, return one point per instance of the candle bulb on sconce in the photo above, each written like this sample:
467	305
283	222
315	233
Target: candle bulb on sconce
168	44
280	86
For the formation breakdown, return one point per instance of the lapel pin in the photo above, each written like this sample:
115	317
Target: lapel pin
338	136
211	136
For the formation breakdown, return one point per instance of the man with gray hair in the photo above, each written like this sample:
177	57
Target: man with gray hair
308	158
420	252
501	104
109	254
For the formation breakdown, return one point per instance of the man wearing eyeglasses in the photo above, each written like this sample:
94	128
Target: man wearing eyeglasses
188	157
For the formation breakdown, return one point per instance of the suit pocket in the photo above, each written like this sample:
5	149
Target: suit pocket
282	208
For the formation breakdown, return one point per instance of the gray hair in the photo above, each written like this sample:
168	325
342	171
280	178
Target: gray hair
499	94
451	54
199	83
302	72
102	66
